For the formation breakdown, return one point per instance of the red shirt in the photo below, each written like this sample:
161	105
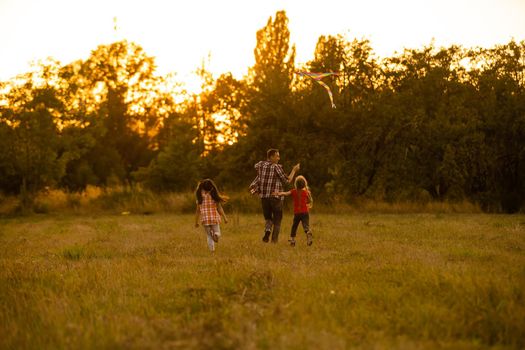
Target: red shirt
300	197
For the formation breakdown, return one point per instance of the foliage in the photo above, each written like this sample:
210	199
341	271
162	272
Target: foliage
441	123
176	167
31	142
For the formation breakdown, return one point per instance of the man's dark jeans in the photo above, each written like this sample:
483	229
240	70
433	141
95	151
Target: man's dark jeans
273	214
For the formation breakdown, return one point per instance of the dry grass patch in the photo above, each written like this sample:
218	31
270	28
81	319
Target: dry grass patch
370	281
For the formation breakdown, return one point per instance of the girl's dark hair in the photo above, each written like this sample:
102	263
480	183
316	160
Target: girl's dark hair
209	186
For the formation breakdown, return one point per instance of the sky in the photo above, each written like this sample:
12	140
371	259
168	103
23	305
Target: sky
183	34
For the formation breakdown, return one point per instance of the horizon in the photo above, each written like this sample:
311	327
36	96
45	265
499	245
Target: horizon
182	37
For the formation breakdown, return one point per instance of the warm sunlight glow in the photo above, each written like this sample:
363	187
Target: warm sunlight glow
223	126
180	34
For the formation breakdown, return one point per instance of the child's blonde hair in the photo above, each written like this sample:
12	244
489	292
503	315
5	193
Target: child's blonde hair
301	184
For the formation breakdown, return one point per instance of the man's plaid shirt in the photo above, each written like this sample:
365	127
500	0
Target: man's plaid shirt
270	179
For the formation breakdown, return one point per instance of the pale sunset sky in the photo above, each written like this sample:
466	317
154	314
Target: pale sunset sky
180	34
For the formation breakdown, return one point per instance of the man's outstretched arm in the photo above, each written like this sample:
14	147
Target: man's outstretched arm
292	173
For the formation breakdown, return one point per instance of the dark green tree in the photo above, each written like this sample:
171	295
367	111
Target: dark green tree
178	164
268	102
500	102
119	78
30	138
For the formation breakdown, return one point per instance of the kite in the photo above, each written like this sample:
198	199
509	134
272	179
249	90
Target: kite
317	77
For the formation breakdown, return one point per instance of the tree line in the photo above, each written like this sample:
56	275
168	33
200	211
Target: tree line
425	124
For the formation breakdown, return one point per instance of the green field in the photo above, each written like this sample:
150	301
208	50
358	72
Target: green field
371	281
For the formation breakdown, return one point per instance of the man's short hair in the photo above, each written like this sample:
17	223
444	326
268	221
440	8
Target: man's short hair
271	152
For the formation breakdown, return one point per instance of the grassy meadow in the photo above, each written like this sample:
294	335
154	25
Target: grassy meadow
369	281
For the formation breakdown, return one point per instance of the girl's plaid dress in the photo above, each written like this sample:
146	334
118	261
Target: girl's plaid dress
208	210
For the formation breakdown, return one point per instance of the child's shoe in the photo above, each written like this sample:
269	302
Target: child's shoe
309	238
292	241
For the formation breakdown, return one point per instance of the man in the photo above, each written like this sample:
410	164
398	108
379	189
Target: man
270	179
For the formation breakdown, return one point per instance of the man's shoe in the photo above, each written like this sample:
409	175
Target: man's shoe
266	237
292	242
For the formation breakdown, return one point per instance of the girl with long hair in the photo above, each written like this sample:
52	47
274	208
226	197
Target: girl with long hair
302	202
209	210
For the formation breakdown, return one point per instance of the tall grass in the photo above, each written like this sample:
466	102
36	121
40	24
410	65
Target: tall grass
114	200
370	281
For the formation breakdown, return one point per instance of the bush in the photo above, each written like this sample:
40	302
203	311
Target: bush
140	201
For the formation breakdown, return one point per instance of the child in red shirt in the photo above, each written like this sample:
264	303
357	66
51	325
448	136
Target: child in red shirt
302	201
